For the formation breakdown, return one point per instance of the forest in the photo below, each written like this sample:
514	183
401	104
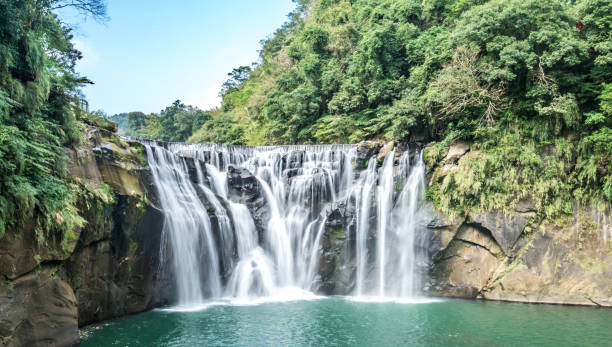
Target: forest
527	83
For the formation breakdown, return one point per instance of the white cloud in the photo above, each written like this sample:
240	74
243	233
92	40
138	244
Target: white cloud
210	98
205	99
90	57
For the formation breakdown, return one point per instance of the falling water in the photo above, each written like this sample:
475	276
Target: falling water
229	257
398	197
187	226
367	180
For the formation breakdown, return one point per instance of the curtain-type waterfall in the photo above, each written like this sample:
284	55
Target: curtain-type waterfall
297	184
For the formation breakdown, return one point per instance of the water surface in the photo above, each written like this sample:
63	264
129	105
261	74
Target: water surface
338	321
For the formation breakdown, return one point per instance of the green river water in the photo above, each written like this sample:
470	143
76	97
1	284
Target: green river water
338	321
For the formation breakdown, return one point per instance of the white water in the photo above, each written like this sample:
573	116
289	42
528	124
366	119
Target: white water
187	226
398	197
297	182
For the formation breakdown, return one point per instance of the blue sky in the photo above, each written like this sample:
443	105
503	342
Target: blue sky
153	52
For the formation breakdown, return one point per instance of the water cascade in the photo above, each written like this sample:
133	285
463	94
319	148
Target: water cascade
273	249
388	202
186	227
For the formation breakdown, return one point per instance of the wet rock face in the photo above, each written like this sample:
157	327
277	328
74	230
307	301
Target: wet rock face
114	269
336	263
466	264
107	269
38	310
494	256
294	160
506	229
21	252
559	265
365	151
243	185
119	274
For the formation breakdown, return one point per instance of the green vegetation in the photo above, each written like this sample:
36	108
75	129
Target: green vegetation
528	83
121	119
40	112
175	123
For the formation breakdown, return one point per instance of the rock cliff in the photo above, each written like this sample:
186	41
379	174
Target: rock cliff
518	256
111	267
108	268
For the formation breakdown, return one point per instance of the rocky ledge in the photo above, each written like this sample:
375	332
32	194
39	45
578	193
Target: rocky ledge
108	268
514	256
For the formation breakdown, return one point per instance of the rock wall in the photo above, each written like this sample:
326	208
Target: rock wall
514	256
107	269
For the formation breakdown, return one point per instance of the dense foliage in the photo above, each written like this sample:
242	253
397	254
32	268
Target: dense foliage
176	123
40	108
528	82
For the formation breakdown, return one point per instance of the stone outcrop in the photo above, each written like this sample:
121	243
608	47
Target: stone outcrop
365	151
512	256
245	187
108	268
336	263
505	228
38	310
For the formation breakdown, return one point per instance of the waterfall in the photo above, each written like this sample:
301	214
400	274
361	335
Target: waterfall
367	181
244	254
398	197
187	226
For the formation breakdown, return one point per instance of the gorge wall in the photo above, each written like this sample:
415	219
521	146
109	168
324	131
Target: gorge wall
109	268
113	266
519	256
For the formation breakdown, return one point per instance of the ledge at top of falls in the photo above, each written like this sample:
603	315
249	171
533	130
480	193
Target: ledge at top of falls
228	148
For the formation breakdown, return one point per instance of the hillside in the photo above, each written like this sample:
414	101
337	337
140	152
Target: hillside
526	82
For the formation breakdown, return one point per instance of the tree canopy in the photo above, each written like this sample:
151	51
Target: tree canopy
518	78
40	112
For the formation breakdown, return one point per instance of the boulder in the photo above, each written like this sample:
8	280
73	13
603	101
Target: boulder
38	310
386	149
456	151
245	187
365	151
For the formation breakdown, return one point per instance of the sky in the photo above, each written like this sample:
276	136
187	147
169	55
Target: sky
153	52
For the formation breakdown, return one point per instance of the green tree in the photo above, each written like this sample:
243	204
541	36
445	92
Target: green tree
40	107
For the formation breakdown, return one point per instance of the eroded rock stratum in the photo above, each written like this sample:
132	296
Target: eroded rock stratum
109	268
515	256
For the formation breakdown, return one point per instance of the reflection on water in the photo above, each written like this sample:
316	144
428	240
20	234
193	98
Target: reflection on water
339	321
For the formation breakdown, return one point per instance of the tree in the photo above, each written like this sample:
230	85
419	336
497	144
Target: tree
238	76
94	8
40	112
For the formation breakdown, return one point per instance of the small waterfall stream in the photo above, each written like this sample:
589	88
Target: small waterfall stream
276	253
186	227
